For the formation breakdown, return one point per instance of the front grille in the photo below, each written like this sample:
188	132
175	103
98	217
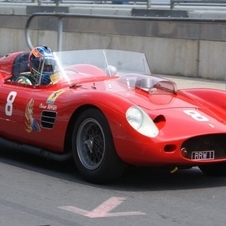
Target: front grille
206	143
48	119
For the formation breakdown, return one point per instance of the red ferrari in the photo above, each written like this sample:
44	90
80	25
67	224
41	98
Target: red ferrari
106	110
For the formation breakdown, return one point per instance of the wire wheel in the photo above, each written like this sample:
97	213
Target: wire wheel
90	144
93	148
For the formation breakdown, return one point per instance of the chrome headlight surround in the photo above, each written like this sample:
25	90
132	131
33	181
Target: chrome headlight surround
141	122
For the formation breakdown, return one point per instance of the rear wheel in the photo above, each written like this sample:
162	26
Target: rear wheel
218	169
93	148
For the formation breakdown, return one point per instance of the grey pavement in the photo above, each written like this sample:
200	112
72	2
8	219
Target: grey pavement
185	82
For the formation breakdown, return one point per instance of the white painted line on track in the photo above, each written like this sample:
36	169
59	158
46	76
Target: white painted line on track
103	209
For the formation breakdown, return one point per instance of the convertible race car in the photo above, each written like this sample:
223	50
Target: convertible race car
106	110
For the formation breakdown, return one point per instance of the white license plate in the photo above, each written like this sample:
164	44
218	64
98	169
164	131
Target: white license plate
202	155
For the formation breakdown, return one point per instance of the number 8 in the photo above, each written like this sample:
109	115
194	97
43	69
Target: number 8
196	115
9	105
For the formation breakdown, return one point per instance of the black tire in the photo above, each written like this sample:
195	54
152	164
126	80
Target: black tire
93	148
215	170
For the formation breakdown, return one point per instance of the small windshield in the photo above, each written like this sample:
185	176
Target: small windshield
111	62
130	69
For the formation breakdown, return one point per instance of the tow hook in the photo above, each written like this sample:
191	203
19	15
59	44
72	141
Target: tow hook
174	170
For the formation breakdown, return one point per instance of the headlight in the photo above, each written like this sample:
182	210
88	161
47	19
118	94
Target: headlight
141	121
134	117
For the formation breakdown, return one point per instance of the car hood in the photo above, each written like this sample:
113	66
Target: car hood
159	96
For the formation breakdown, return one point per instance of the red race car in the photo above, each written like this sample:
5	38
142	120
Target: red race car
106	110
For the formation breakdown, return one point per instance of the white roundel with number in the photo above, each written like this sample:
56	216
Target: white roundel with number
196	115
9	103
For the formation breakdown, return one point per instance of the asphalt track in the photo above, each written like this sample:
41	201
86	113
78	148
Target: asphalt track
38	192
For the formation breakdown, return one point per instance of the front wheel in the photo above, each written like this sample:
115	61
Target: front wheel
216	169
93	148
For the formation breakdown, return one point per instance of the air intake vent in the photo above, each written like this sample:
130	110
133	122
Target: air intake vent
48	119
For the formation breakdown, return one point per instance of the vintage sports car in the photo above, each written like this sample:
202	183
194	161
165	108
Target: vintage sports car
106	110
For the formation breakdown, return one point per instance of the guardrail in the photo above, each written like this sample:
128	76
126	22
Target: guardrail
60	17
148	3
197	2
107	2
71	2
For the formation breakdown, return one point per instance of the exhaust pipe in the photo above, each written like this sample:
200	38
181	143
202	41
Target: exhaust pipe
34	150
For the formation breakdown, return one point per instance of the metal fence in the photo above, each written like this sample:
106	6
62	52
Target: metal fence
197	3
171	3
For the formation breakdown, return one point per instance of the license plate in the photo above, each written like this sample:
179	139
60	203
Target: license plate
202	155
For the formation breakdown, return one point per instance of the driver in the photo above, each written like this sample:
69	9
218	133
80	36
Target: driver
42	65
